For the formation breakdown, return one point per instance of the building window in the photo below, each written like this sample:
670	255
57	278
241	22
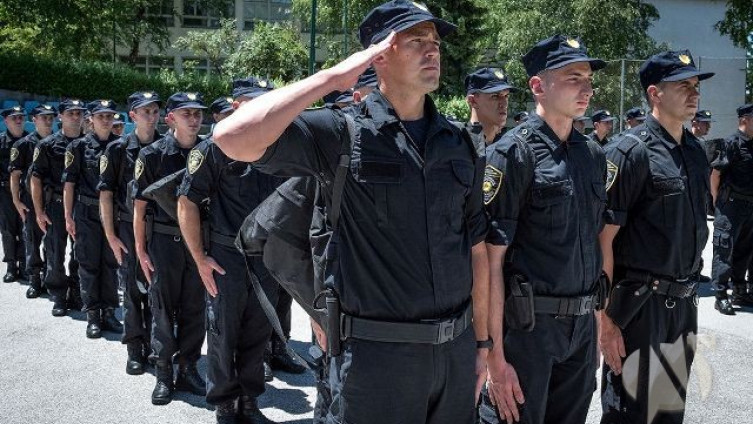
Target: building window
266	10
199	15
164	10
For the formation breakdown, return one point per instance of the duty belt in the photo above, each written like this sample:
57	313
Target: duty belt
222	239
88	201
565	306
427	332
679	287
170	230
738	196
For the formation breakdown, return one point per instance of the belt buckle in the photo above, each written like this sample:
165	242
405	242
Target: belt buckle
446	331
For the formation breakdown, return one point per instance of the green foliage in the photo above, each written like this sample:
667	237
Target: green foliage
213	45
272	50
738	23
455	106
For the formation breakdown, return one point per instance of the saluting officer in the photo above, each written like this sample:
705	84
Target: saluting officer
410	236
487	93
116	208
732	190
544	190
176	293
11	226
20	165
603	122
47	195
652	244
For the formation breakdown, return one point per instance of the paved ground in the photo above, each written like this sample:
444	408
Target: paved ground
52	374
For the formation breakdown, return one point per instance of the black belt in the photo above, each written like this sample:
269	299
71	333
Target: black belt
222	239
88	201
738	196
125	216
565	306
427	332
679	287
170	230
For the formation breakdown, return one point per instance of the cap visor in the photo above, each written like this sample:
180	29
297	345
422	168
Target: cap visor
145	103
97	112
227	109
687	75
444	28
14	114
496	89
189	106
596	64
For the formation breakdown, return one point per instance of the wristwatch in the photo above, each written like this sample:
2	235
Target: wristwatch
485	344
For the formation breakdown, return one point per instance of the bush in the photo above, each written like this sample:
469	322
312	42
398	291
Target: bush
455	106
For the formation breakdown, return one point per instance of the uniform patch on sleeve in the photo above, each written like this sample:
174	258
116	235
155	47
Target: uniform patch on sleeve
138	168
13	154
612	170
68	158
36	154
102	164
195	159
492	182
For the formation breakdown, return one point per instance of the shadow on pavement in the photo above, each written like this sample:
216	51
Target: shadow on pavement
292	401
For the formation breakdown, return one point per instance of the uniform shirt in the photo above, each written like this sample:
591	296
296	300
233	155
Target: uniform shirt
546	201
82	163
21	157
156	161
594	137
657	192
735	164
407	222
233	188
6	154
48	161
114	174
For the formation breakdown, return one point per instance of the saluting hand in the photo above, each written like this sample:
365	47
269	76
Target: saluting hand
207	266
118	248
351	68
611	343
504	388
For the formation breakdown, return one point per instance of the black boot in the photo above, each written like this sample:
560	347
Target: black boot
109	322
136	360
189	380
268	369
282	360
249	413
94	326
35	287
74	298
12	274
742	294
226	412
59	307
163	390
723	304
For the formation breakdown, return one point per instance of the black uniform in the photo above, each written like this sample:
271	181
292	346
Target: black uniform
411	211
595	138
237	329
546	200
733	221
48	165
176	293
116	174
11	226
97	265
21	160
657	195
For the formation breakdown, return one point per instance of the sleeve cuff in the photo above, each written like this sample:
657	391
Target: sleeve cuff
614	217
502	232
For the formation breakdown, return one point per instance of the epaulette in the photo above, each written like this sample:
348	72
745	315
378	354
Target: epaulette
632	138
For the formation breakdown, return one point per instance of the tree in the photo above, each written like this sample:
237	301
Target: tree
272	50
738	26
213	45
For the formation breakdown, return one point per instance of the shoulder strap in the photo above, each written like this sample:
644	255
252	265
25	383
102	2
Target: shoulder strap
341	172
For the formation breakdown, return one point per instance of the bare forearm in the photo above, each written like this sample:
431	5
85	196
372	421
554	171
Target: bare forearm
106	212
139	225
190	226
69	190
36	195
480	293
496	298
714	184
606	238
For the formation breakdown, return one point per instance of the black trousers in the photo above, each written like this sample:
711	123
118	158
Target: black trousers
54	246
556	367
282	308
733	243
97	265
137	316
237	329
660	346
404	383
32	239
11	229
177	300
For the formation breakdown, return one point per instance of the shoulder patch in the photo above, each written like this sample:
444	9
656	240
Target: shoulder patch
36	154
492	182
68	158
612	171
13	154
138	168
195	159
102	164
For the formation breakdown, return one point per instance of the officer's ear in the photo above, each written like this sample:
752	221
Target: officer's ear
471	100
653	94
536	84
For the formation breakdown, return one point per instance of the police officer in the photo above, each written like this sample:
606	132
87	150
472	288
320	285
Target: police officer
47	195
652	243
221	108
544	192
237	329
634	117
116	208
520	117
410	237
21	157
176	293
603	125
732	190
11	226
487	93
118	125
700	126
579	123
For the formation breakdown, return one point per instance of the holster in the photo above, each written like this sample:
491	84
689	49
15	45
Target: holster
626	300
519	305
334	338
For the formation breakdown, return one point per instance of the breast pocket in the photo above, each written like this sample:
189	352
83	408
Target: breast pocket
550	203
670	194
379	179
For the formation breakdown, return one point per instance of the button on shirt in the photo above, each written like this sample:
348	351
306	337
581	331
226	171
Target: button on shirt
82	163
736	164
546	201
48	161
407	221
657	194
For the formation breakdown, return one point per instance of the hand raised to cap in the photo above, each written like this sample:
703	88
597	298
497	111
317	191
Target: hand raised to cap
348	71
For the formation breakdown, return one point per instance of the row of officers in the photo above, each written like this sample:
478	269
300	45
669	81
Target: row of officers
570	250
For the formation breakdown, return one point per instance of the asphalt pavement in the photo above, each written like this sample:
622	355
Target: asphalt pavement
51	373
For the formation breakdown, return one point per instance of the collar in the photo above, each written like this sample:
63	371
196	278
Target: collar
545	132
133	143
662	134
172	146
381	112
742	136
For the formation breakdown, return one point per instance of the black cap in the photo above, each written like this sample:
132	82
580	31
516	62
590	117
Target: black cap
251	87
117	119
521	116
487	80
703	116
602	115
183	100
42	109
670	66
101	106
636	113
745	110
367	79
143	98
71	104
397	15
13	111
222	105
345	97
556	52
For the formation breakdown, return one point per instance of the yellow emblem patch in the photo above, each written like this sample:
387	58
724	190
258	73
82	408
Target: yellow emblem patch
69	158
138	169
492	182
36	154
195	159
102	164
612	170
685	59
573	43
13	154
